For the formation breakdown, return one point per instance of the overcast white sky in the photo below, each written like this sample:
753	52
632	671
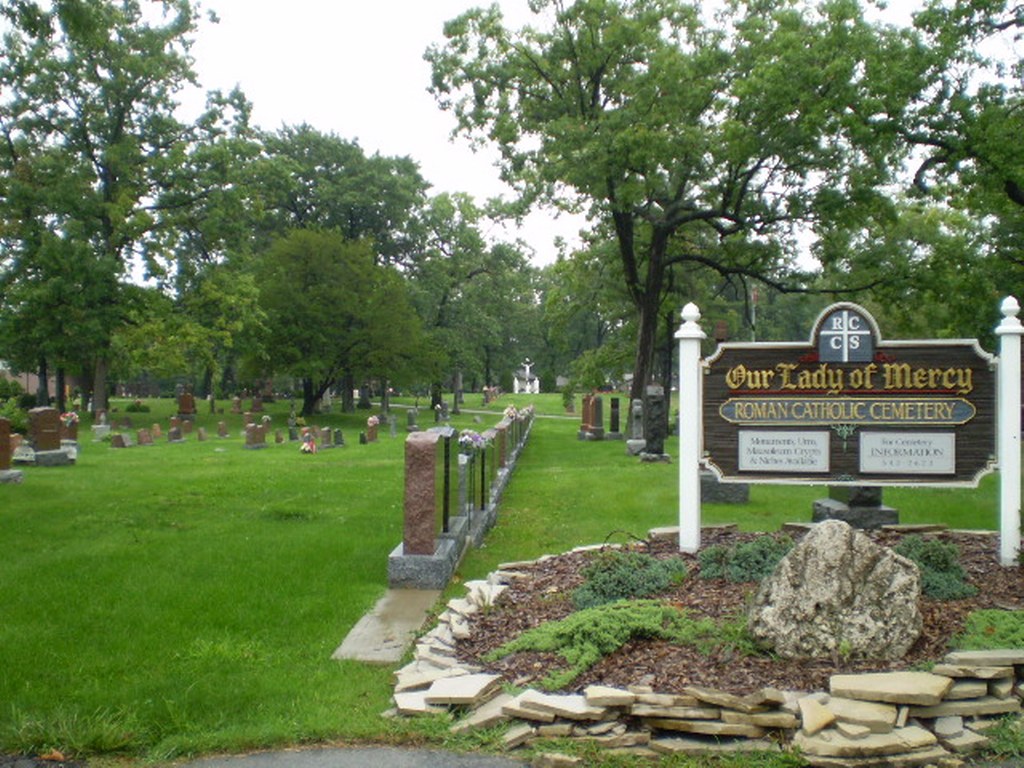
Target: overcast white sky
355	68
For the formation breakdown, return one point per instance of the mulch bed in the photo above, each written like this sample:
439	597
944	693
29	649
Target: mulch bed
668	668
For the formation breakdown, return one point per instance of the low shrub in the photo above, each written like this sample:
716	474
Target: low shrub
137	407
17	416
750	561
585	637
991	629
942	578
621	574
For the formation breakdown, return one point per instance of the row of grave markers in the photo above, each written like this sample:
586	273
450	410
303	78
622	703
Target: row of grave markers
451	497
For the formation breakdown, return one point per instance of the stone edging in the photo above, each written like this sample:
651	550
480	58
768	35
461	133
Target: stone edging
873	719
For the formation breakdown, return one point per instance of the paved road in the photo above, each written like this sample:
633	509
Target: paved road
357	757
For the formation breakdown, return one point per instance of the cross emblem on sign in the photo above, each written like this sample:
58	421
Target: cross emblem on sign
845	337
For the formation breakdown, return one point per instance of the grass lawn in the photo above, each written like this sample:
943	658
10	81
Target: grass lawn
185	598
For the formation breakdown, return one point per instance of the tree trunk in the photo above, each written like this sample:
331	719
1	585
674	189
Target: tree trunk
385	396
99	386
43	386
645	344
456	391
308	397
348	385
61	398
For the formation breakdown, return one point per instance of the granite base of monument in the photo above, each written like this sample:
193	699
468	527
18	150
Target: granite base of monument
480	522
61	457
655	458
714	491
855	515
635	447
11	476
423	571
613	436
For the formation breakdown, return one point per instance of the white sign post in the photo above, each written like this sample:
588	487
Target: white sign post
691	428
1009	332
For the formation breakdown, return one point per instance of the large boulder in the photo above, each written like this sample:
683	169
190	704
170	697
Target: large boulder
839	593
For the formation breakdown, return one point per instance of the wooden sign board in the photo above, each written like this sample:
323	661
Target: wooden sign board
848	407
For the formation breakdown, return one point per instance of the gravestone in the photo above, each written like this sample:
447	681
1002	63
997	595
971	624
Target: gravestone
175	423
174	434
255	437
222	429
201	434
371	430
420	528
615	421
339	438
278	436
44	437
257	404
714	491
7	475
44	429
187	406
156	431
859	505
236	404
143	437
410	420
586	417
69	428
362	438
325	437
392	425
120	440
186	426
655	422
293	433
597	422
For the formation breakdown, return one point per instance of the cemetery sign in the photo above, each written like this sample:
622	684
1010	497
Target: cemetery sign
848	407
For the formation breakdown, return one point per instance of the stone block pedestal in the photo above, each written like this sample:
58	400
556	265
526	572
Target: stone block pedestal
856	516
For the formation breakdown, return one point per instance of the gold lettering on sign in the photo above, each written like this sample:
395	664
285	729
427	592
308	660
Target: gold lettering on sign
904	376
895	377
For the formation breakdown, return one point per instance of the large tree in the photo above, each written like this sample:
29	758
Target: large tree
332	312
713	141
93	82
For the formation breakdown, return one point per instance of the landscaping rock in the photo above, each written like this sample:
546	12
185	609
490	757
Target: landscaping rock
839	592
921	688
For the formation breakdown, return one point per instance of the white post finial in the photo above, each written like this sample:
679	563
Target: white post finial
691	428
1008	399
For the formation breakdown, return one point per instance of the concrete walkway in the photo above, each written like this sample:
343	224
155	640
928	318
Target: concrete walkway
384	634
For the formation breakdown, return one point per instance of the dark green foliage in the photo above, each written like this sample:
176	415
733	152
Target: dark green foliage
585	637
942	578
11	410
9	388
137	407
619	575
750	561
988	629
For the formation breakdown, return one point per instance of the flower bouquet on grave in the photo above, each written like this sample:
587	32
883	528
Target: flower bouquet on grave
373	421
511	413
308	444
470	442
69	419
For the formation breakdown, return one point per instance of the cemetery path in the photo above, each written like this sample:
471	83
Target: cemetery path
668	667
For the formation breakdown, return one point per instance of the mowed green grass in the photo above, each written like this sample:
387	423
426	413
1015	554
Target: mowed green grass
177	599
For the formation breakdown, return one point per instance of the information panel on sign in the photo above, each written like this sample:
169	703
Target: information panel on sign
778	451
930	453
850	407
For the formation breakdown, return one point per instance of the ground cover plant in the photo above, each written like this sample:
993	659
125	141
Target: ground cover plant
177	599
